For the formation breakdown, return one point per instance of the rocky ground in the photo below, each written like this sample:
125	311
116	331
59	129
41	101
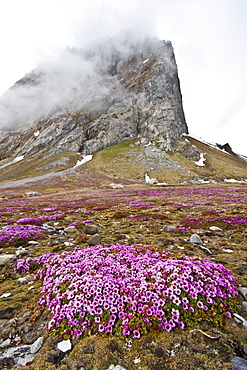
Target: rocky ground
164	217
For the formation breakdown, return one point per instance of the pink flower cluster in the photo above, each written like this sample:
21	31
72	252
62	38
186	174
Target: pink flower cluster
20	233
129	290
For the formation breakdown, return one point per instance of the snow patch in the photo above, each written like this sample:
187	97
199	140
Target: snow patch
145	61
231	180
36	133
85	159
17	159
148	180
201	161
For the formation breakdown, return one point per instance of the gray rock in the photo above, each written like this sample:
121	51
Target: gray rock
8	312
244	304
169	228
243	290
239	319
94	240
22	354
35	347
91	229
239	363
195	239
70	229
23	361
245	348
6	258
5	343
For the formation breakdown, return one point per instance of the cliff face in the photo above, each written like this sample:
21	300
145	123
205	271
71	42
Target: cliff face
121	92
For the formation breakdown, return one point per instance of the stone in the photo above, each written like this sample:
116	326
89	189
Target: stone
23	361
244	304
215	228
7	362
64	346
20	354
8	312
239	319
117	367
35	347
245	348
94	240
70	229
91	229
243	290
239	363
6	259
169	228
5	343
195	239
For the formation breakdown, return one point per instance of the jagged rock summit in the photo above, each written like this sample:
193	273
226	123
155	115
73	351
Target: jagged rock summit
87	100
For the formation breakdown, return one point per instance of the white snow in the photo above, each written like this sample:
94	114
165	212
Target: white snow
231	180
36	133
201	161
86	158
17	159
5	295
116	186
149	180
212	145
145	61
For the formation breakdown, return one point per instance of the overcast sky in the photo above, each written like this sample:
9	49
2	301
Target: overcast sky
208	36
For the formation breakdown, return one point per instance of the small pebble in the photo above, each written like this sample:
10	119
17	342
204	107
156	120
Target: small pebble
195	239
94	240
169	228
215	228
64	346
70	229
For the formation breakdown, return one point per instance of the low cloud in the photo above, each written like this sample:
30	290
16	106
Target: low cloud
71	80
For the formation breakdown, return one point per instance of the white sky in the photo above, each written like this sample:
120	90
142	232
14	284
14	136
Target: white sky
208	36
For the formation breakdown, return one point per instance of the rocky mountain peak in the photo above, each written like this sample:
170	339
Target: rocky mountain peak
87	100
